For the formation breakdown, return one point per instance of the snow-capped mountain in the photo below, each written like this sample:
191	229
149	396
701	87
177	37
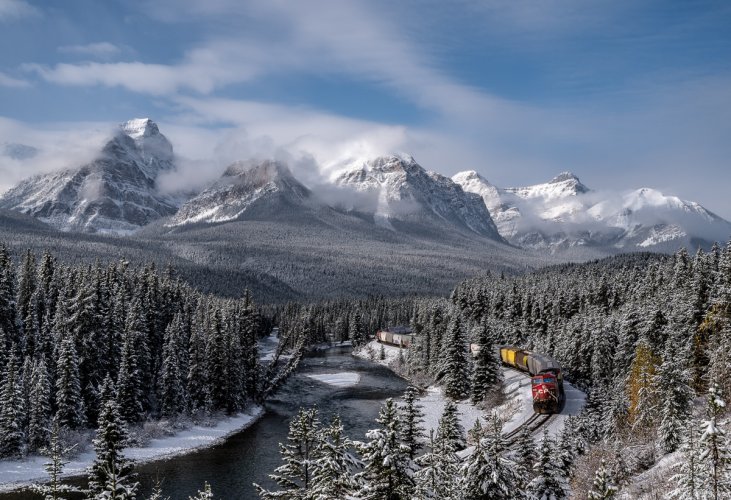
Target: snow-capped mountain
564	213
402	191
244	186
16	151
115	193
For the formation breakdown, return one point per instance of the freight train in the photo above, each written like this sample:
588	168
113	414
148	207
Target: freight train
399	336
546	377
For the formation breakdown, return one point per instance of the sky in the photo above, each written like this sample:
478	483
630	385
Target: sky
624	93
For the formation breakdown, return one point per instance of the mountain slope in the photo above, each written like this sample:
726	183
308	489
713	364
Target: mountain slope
563	213
115	193
243	188
404	194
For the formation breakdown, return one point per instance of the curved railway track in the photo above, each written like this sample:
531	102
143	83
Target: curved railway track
535	422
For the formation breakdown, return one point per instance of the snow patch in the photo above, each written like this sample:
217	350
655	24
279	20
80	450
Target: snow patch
342	379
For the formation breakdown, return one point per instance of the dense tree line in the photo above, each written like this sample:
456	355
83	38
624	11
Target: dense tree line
69	333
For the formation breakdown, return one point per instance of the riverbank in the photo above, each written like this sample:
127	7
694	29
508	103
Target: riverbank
16	474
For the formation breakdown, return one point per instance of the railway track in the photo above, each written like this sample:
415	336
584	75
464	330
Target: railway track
535	422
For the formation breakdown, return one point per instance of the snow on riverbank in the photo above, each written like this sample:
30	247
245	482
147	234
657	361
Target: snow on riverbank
517	408
342	379
15	473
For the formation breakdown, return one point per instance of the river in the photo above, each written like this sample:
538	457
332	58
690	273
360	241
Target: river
249	456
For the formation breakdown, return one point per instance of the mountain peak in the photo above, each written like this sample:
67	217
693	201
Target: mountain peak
140	127
564	176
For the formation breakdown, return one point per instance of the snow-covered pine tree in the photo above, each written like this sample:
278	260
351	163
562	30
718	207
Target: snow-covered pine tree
526	453
550	480
129	378
110	476
388	471
12	438
39	407
715	457
205	494
412	418
676	396
439	467
357	332
642	391
334	468
197	381
450	429
299	456
69	403
688	479
488	475
172	386
456	367
54	489
487	374
603	487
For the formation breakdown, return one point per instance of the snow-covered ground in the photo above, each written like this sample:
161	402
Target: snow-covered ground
14	473
517	408
341	379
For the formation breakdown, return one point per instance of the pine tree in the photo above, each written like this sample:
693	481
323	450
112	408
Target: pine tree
412	418
603	487
172	388
526	453
335	465
69	403
450	429
40	407
688	480
299	456
715	457
388	472
642	390
487	374
550	481
673	385
111	473
205	494
54	489
486	474
11	411
129	379
357	333
455	372
438	469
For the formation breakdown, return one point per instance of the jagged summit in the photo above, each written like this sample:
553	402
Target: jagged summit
114	193
140	127
564	176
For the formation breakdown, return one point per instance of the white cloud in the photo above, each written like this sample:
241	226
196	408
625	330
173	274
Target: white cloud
99	49
16	9
9	81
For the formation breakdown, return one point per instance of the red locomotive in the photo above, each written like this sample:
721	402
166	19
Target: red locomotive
546	377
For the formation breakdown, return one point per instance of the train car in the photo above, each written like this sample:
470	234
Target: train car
399	336
546	377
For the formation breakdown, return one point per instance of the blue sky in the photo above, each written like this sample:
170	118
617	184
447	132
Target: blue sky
623	93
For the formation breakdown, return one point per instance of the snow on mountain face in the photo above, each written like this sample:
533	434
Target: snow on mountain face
242	186
406	192
564	213
115	193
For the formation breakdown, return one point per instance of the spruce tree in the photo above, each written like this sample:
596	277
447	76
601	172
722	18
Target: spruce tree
455	371
715	455
388	472
603	487
129	379
172	388
39	407
439	467
299	455
335	465
526	454
450	429
486	474
688	480
487	373
673	384
54	489
412	418
550	481
111	473
12	437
